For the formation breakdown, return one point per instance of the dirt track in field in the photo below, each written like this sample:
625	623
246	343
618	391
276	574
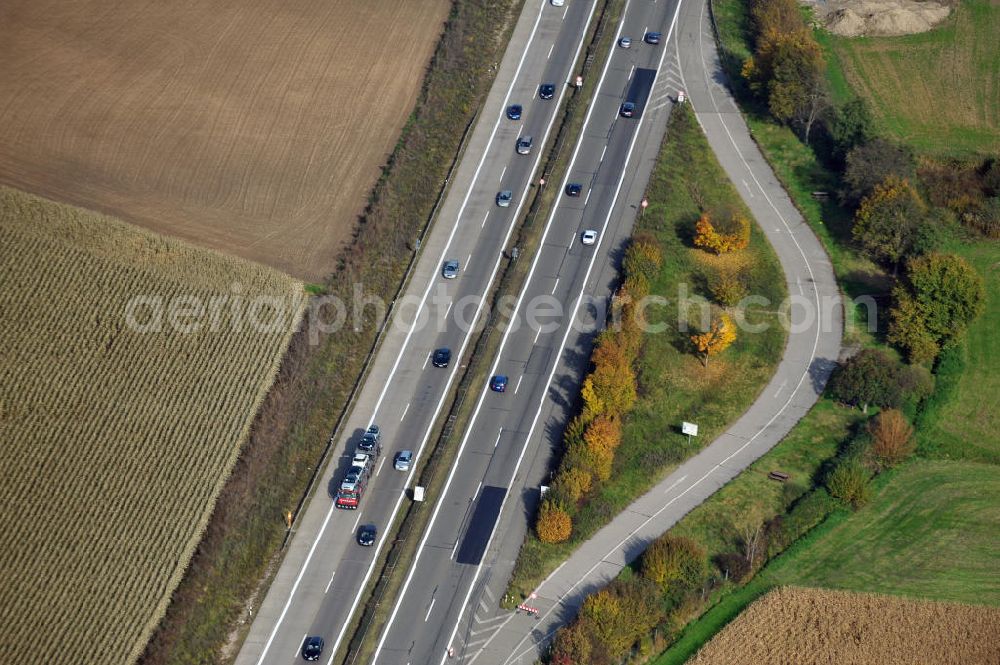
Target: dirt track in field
256	127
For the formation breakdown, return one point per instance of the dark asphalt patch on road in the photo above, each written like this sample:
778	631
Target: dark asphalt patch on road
481	525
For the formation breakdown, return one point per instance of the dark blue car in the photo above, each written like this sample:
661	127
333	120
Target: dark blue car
514	111
498	383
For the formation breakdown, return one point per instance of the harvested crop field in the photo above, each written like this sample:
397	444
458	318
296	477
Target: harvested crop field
795	625
256	127
117	437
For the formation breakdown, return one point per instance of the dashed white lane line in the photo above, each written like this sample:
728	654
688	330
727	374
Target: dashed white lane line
503	173
603	152
428	615
425	360
355	527
467	262
330	582
537	333
297	646
405	409
380	465
518	386
550	52
551	292
587	200
499	434
484	219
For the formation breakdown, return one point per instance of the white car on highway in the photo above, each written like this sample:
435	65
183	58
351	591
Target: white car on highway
589	237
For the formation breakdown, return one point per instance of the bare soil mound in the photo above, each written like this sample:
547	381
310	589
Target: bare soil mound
880	18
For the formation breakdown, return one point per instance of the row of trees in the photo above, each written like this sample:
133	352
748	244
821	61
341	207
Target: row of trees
613	620
609	393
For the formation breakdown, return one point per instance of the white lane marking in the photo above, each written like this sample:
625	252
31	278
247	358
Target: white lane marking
427	359
298	647
502	173
537	333
519	379
380	465
467	262
566	11
644	31
499	434
454	549
428	615
461	448
448	309
520	129
405	409
781	387
603	152
484	219
630	73
355	527
554	285
675	484
478	487
550	52
587	200
330	582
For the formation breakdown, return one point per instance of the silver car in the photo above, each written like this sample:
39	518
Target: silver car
403	459
450	270
524	145
504	198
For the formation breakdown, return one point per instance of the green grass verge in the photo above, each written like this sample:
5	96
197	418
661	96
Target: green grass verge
673	384
814	440
930	533
962	423
937	91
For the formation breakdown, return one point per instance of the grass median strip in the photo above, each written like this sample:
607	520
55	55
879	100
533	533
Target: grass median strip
673	384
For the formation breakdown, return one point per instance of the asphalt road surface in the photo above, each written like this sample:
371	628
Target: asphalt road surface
318	584
425	620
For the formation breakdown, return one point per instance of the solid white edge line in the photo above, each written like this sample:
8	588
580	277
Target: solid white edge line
569	327
451	473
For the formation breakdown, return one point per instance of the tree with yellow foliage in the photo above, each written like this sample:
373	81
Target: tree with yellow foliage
720	334
728	233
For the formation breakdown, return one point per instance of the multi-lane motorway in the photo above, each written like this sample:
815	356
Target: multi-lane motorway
324	571
434	602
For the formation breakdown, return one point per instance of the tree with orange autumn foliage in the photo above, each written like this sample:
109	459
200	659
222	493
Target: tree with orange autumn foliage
554	524
720	334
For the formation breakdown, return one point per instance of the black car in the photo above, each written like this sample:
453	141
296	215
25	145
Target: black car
653	37
441	357
628	110
547	91
366	535
574	189
312	648
514	111
371	439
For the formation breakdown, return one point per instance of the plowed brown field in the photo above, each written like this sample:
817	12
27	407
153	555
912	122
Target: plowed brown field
252	126
792	625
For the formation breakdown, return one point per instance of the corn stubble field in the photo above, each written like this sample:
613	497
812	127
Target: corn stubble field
115	442
798	625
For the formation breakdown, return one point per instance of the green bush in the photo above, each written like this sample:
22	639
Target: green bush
850	482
